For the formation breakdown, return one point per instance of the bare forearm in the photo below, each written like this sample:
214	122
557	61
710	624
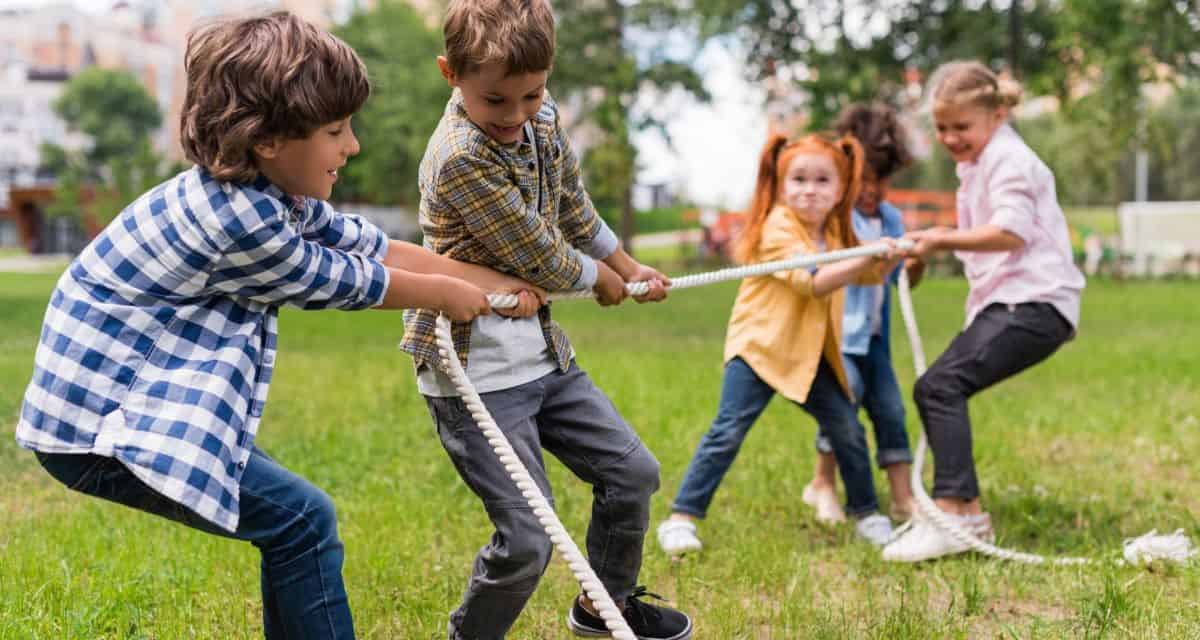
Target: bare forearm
409	290
983	238
834	276
621	262
419	260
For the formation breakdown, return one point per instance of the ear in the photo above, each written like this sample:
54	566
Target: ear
447	72
268	150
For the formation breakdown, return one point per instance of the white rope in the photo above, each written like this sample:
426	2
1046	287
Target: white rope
533	495
553	527
508	300
1176	547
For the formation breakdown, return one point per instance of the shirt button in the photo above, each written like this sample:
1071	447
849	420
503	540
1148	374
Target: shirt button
535	270
241	465
269	359
532	166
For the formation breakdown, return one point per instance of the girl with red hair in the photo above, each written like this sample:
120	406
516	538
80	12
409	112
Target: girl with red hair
785	330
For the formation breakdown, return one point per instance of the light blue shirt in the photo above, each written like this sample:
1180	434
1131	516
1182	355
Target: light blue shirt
861	301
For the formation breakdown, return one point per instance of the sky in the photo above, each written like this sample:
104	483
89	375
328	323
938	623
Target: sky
716	145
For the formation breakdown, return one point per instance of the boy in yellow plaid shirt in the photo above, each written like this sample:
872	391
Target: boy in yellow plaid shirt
500	187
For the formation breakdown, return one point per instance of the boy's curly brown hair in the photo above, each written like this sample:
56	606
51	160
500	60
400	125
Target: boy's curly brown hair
254	80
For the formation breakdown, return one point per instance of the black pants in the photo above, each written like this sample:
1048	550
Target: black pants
1001	341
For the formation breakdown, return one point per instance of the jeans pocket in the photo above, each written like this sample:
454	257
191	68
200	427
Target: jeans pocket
449	413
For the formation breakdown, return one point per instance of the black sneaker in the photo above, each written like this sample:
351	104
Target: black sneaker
647	621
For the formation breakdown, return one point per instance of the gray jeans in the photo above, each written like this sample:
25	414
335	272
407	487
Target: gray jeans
566	414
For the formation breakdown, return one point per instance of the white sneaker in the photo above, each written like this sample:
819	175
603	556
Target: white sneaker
925	541
825	501
678	537
875	528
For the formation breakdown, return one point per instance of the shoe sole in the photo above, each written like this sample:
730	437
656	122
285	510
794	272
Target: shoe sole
585	631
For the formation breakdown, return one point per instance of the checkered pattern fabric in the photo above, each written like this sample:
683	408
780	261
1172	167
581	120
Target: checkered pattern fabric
494	204
159	340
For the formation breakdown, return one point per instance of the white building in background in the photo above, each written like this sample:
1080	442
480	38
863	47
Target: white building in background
27	121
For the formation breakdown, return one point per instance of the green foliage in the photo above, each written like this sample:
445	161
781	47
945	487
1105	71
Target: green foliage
1093	55
408	96
112	108
119	164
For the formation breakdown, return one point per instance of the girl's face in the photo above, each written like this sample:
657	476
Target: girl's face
964	131
811	186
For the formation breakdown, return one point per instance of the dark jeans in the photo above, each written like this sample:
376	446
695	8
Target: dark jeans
744	396
565	414
1000	342
291	522
873	381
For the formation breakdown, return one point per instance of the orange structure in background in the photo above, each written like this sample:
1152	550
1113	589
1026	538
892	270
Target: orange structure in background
923	209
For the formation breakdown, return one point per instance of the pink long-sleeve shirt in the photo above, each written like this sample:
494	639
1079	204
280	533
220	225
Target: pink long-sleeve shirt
1010	187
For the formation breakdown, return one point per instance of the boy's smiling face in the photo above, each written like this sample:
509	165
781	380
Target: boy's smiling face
308	166
498	102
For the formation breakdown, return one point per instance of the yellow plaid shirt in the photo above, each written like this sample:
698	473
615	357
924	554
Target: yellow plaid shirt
480	203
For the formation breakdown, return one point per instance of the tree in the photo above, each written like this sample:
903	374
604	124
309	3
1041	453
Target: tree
112	108
839	53
1095	56
610	53
118	164
408	96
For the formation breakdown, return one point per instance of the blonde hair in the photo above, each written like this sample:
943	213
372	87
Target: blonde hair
251	80
516	33
969	83
847	156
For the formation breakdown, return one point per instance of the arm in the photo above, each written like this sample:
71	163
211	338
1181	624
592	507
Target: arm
865	270
987	237
419	260
351	233
272	264
631	270
1011	196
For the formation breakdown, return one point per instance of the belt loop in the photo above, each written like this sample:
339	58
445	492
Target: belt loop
1011	307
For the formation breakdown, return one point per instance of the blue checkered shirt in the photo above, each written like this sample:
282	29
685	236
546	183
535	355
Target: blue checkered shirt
158	344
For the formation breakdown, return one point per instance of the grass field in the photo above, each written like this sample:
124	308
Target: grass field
1094	446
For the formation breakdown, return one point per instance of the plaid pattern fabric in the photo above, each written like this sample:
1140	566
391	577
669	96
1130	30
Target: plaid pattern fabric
480	203
158	344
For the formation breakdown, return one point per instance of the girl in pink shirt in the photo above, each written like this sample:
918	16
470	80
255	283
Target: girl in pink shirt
1024	295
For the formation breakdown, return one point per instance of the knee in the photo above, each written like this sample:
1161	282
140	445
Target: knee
641	472
316	522
931	387
527	555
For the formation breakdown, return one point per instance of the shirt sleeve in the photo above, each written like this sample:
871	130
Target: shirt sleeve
780	243
493	211
1011	197
346	232
274	264
577	216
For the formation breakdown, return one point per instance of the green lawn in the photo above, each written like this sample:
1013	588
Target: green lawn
1090	448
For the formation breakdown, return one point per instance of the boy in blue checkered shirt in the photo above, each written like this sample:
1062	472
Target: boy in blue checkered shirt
159	341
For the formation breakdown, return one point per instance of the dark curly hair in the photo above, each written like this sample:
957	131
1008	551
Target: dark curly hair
881	135
252	80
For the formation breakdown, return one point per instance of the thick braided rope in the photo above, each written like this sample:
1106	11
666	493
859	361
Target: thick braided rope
1175	547
505	301
533	495
516	469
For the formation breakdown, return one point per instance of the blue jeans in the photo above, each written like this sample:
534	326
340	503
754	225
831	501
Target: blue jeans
873	381
291	522
743	397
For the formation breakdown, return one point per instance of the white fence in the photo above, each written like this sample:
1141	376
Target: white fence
1160	237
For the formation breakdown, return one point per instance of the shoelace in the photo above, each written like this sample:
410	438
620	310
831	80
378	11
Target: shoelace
633	604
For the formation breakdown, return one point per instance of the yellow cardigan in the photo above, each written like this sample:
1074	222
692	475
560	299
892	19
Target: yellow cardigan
777	325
